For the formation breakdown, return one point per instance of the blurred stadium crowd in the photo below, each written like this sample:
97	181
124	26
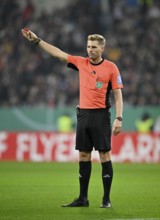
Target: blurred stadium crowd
29	76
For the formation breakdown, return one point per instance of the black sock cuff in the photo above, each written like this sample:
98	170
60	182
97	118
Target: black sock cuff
107	163
85	170
84	163
107	168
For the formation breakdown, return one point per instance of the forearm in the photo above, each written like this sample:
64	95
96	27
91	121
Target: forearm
117	124
118	103
119	108
54	51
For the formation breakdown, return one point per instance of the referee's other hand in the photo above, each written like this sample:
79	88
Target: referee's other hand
117	127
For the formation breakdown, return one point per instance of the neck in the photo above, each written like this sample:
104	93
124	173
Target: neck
96	61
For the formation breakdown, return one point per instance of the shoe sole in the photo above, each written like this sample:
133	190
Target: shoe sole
106	206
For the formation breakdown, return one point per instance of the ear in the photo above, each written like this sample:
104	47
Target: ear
103	49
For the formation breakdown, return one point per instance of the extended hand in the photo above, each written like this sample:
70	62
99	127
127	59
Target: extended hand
29	34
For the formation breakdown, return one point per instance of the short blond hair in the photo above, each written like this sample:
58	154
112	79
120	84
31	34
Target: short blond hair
97	37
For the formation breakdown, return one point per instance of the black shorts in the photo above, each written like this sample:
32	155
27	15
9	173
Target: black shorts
93	130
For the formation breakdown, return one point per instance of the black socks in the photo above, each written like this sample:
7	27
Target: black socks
107	175
84	177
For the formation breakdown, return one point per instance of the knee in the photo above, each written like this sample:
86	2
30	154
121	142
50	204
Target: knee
84	156
104	156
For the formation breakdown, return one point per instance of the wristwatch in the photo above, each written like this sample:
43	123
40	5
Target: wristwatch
119	118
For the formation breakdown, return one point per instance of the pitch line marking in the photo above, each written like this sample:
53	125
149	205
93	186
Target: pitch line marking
134	219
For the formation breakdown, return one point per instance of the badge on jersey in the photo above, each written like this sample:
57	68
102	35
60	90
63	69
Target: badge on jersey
119	80
99	85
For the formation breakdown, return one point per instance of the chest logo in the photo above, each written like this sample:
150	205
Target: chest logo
99	85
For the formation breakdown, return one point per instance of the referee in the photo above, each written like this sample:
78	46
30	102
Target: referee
97	77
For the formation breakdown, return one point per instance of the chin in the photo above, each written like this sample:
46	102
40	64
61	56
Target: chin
92	57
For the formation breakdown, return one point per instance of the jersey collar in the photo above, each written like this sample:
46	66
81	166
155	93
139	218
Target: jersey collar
95	64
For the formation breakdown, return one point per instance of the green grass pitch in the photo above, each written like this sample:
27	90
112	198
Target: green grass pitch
36	191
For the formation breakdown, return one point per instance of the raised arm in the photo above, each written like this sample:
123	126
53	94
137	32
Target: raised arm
54	51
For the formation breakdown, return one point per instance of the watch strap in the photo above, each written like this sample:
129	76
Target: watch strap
119	118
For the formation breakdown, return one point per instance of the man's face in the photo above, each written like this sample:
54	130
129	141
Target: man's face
94	49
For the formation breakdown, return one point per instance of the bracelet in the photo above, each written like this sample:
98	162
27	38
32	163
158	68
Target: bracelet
36	41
